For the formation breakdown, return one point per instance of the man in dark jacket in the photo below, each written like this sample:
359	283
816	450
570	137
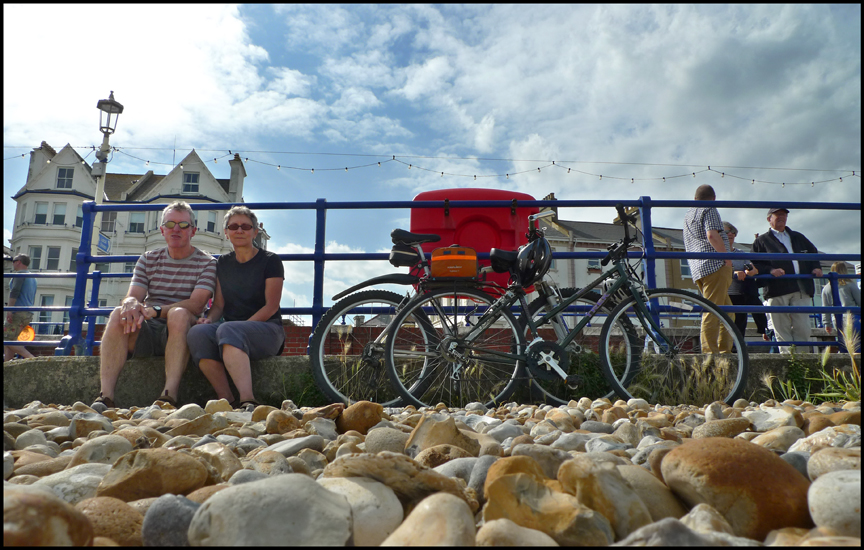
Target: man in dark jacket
787	292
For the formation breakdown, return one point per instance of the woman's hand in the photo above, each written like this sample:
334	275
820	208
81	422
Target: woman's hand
203	321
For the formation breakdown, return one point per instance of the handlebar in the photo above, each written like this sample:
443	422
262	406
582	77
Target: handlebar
625	244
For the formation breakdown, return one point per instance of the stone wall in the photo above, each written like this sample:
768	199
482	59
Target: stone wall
65	380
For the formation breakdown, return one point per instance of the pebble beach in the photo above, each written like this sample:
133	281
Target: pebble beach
590	473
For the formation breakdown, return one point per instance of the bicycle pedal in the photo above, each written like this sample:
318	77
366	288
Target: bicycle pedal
574	381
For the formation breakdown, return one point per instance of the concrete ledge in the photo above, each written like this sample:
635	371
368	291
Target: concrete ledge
65	380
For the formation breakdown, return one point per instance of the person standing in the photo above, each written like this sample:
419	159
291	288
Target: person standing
169	289
703	232
850	296
743	291
244	322
22	292
779	239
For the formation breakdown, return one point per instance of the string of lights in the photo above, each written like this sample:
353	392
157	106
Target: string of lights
561	165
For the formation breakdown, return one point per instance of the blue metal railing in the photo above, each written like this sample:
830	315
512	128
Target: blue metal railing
78	312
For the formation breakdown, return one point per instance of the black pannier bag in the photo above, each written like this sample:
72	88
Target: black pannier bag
402	255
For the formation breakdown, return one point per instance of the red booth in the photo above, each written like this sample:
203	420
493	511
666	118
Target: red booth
480	228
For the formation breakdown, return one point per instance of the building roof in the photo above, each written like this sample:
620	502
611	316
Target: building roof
609	233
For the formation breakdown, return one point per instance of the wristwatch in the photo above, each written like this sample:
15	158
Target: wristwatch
158	310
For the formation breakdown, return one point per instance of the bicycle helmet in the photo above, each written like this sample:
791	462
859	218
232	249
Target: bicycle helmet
533	261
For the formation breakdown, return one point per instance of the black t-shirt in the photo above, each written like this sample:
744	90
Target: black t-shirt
243	284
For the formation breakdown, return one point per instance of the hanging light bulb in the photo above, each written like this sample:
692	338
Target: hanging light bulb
313	170
812	184
278	166
753	182
215	161
664	179
475	178
694	174
841	180
538	169
601	176
379	164
568	170
631	180
783	185
508	176
346	168
722	174
181	166
48	161
148	163
442	174
409	166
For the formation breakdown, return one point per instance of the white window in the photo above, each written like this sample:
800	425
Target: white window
190	182
45	316
103	267
66	313
59	213
685	269
35	257
129	267
79	217
73	262
211	222
23	217
594	263
109	220
136	222
53	261
103	302
64	178
41	216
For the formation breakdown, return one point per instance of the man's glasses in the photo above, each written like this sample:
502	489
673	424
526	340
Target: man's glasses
243	226
183	225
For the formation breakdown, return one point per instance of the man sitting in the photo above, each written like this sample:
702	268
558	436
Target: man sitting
169	289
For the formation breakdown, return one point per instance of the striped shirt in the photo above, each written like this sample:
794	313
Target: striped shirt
169	281
697	222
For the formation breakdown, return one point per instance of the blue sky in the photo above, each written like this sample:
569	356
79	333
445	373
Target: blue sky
628	91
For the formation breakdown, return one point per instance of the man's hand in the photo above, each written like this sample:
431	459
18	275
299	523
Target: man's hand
778	272
132	315
827	329
817	272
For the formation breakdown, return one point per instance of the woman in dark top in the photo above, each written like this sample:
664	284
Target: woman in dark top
244	322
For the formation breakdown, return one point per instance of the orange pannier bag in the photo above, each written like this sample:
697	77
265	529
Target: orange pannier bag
454	261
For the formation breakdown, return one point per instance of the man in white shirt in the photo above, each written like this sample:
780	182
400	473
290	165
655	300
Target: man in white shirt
788	327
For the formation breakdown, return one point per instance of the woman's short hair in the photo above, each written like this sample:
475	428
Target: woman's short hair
181	206
241	211
729	228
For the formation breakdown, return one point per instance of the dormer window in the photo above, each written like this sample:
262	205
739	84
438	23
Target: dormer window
190	182
64	178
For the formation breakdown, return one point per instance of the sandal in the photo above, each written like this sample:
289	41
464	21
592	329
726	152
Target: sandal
249	405
107	402
165	398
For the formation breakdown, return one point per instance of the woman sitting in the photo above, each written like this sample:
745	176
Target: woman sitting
244	322
850	296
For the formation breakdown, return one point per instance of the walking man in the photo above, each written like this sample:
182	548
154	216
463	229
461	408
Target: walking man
703	232
788	327
169	289
22	292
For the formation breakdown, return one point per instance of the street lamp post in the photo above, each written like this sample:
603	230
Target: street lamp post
109	113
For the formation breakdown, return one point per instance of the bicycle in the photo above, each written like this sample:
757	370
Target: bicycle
452	345
347	350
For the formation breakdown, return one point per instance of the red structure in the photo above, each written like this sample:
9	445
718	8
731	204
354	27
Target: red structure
480	228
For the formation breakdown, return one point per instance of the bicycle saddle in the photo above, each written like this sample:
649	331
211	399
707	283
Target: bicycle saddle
400	236
503	260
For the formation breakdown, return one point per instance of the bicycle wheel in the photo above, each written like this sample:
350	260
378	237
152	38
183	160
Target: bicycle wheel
347	363
678	372
450	364
583	353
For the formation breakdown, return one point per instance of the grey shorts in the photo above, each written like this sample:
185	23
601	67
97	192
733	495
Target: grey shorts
258	339
152	338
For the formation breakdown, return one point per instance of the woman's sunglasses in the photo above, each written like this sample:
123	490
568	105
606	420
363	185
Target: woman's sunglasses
243	226
183	225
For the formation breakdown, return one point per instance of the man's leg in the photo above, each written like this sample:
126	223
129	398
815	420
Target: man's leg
115	348
11	330
10	351
715	288
180	320
801	321
782	321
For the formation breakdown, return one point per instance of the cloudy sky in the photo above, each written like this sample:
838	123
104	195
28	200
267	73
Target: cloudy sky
765	93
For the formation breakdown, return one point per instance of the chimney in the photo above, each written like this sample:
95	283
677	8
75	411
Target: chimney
550	197
39	156
238	174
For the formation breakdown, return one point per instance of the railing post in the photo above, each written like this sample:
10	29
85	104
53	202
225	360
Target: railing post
82	266
318	281
91	322
648	243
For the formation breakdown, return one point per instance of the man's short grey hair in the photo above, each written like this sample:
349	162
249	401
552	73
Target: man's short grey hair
181	206
23	258
729	228
241	211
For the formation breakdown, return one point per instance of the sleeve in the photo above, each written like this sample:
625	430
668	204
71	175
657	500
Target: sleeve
712	221
139	275
764	266
827	301
274	268
856	292
207	278
15	287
